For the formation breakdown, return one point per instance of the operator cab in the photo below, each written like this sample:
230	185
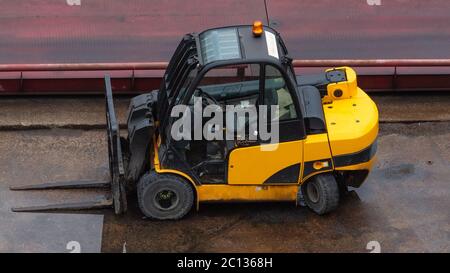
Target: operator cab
220	47
232	66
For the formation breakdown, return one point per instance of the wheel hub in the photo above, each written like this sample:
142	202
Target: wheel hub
166	199
313	192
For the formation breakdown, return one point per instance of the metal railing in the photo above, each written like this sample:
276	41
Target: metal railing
87	78
163	65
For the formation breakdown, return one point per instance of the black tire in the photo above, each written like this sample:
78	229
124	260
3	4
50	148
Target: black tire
164	196
321	193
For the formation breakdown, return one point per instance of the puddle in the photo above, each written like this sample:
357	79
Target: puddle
398	171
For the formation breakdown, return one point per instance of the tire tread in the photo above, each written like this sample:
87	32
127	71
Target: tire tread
329	194
153	177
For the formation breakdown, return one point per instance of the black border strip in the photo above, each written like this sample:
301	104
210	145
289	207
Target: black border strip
288	175
362	156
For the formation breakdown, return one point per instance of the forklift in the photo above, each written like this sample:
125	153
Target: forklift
327	131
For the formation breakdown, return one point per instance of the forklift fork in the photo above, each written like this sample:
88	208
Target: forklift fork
118	198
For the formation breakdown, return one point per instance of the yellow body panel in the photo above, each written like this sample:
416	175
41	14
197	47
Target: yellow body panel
352	126
159	169
352	123
212	192
247	193
254	165
316	147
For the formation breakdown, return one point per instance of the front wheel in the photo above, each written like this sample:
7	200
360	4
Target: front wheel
321	193
164	196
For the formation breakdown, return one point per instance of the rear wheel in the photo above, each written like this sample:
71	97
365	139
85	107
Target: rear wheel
321	193
164	196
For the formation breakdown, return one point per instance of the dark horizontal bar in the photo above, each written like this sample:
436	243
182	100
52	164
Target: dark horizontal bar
163	65
83	66
134	78
88	205
76	184
373	63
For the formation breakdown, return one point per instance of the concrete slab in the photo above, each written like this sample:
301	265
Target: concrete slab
50	233
54	112
38	156
413	107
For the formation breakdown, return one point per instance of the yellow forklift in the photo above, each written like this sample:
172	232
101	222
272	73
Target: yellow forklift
327	130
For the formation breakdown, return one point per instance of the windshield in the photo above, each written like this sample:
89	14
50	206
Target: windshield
220	44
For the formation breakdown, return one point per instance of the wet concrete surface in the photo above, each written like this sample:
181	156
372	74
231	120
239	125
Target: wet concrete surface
36	156
404	204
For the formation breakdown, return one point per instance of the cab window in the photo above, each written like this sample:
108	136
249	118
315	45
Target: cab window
237	84
233	84
276	92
